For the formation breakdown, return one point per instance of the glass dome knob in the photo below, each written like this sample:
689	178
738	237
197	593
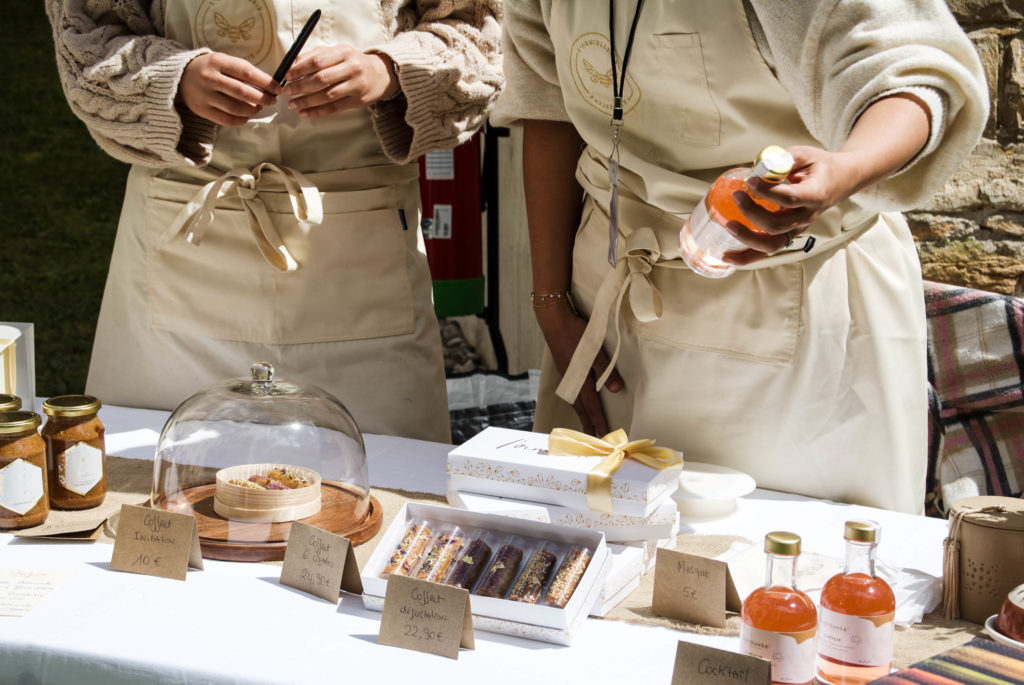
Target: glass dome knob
262	373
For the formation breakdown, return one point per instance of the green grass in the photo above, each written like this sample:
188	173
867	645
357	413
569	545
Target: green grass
61	196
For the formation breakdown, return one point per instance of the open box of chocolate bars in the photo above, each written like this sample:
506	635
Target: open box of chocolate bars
526	578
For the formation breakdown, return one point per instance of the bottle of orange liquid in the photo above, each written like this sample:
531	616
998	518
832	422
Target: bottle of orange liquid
857	614
779	621
703	239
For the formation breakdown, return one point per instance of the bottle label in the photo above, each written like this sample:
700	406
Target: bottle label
856	640
792	654
21	486
80	468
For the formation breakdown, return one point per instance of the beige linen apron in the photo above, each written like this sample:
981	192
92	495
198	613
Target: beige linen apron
806	371
298	245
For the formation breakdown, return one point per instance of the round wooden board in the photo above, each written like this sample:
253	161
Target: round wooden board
228	540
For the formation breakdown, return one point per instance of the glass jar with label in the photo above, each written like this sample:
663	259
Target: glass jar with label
23	496
76	458
9	403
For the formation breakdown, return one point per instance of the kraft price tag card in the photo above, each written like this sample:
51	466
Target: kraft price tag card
156	543
426	617
318	562
700	665
692	588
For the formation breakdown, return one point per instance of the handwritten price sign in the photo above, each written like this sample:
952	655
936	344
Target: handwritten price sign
426	617
154	542
693	588
318	562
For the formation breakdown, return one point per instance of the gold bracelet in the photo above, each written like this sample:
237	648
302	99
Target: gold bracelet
541	300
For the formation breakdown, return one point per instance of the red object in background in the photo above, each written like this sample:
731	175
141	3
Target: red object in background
450	192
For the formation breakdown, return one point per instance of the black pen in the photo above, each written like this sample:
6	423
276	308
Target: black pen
296	48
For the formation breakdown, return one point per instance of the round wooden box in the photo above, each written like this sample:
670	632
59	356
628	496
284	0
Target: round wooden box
991	554
240	503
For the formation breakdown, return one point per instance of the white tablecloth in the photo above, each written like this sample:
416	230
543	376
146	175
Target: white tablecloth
234	623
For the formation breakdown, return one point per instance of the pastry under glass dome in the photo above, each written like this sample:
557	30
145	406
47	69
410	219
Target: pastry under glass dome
248	457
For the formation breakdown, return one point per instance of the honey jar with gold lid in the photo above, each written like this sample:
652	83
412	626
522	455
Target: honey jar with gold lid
76	458
9	403
23	487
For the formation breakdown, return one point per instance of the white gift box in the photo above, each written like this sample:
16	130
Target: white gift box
626	566
18	362
533	621
516	464
628	563
662	523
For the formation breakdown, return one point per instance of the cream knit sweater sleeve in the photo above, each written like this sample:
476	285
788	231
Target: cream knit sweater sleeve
837	57
448	57
120	78
834	57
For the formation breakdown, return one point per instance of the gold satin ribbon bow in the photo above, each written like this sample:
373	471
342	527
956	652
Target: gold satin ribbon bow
615	448
197	215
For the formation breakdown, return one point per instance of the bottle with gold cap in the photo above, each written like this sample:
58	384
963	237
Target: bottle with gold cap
23	497
858	609
704	239
779	621
76	455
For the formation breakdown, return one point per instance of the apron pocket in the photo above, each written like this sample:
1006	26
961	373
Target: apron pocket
696	117
750	314
352	282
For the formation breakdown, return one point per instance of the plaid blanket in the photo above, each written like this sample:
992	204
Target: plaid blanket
976	395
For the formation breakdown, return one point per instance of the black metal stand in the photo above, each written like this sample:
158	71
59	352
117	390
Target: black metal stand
489	204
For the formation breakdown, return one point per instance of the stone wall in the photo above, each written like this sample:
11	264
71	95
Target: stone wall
972	232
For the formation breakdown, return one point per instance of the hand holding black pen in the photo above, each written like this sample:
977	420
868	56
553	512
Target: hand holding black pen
334	78
296	48
224	89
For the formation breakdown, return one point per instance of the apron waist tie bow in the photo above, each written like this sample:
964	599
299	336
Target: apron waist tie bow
197	215
632	275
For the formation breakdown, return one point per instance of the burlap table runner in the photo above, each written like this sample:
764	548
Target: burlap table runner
932	635
129	482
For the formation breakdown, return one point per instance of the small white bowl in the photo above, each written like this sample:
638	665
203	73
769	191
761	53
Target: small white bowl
710	490
993	631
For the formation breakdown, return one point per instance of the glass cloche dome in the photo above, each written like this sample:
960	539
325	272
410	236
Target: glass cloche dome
249	457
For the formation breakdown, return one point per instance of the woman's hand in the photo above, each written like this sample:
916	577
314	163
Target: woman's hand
224	89
334	78
562	331
819	180
888	134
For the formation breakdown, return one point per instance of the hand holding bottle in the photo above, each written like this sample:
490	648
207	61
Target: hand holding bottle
888	135
819	180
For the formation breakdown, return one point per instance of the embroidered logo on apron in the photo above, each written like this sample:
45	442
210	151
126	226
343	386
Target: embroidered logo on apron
592	73
242	29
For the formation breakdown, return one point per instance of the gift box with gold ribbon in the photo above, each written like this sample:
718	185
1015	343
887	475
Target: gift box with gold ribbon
662	523
611	474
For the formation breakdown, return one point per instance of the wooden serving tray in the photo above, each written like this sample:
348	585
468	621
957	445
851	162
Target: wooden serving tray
267	541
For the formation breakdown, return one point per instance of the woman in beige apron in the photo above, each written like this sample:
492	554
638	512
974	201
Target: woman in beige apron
805	369
297	243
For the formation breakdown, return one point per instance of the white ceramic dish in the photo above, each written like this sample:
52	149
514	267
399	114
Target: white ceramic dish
993	631
709	490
